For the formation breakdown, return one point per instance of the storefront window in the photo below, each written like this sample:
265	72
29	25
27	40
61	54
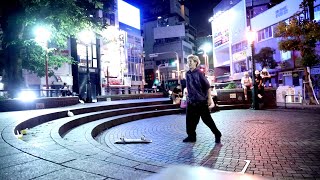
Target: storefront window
240	66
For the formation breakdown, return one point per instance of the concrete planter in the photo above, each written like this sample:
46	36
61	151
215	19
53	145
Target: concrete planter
39	103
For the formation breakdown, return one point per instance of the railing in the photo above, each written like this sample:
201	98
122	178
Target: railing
128	90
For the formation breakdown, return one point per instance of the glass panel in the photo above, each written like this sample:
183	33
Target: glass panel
95	63
81	49
94	49
240	66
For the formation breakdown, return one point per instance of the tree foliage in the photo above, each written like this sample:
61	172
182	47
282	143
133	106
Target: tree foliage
63	18
265	57
300	34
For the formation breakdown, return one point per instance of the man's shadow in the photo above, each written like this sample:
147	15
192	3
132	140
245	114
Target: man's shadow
191	157
212	157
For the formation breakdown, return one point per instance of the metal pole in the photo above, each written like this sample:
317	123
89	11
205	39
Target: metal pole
108	84
206	61
47	78
89	98
143	74
159	74
178	67
254	90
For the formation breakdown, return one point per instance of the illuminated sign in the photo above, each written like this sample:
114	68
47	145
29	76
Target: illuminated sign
221	37
238	56
282	11
128	14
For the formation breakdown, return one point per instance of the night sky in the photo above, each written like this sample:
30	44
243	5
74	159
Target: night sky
200	12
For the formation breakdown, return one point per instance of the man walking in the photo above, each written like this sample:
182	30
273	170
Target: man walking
199	100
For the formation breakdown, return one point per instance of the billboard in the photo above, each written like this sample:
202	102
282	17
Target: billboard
128	14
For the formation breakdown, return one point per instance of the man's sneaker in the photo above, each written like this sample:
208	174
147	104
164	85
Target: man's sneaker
188	139
218	139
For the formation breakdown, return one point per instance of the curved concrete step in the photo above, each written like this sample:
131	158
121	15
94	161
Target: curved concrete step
63	154
37	120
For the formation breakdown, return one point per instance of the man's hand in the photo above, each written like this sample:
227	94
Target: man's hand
210	101
211	104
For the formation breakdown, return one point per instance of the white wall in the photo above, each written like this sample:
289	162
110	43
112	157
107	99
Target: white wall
169	32
238	25
276	14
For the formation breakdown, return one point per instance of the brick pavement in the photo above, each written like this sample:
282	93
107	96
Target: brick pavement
278	143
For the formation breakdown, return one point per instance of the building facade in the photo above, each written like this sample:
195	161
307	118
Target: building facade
115	59
290	71
230	23
168	36
231	51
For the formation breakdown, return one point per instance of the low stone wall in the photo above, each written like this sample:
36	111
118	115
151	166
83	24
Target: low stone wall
39	103
236	96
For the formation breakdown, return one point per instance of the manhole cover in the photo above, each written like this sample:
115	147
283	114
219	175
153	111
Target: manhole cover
260	121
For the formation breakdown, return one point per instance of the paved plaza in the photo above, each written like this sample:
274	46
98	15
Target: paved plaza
276	143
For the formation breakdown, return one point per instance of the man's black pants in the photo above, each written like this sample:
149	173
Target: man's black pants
194	112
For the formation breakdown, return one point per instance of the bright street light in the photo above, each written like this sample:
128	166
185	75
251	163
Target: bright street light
206	47
42	36
87	36
251	37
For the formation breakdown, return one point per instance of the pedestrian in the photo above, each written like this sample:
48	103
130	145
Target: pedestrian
199	100
259	84
266	77
65	91
246	83
177	94
183	103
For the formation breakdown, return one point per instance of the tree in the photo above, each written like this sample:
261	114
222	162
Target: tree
18	18
265	57
301	34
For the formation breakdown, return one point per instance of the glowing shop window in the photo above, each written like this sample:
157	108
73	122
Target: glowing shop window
285	55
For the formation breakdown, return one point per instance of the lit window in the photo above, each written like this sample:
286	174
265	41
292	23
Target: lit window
285	55
265	33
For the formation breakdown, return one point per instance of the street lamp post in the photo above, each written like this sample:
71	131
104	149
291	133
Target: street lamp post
86	37
42	38
158	71
251	37
177	61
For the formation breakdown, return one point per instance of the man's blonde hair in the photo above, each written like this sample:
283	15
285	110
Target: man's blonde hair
195	58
